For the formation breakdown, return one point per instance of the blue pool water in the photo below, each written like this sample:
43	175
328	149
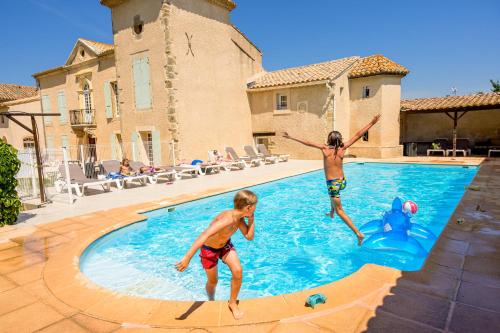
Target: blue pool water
296	246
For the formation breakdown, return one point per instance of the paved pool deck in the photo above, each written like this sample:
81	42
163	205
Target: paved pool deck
42	289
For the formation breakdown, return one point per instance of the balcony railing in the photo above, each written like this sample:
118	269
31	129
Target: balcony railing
82	117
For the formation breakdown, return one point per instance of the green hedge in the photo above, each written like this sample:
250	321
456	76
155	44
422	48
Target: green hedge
10	205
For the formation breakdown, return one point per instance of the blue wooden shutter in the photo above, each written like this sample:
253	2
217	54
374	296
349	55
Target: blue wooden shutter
114	148
155	135
135	136
64	141
61	107
46	108
107	100
142	83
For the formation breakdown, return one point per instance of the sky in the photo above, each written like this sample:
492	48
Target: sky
444	43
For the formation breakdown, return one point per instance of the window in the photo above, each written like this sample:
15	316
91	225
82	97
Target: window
28	143
149	148
138	25
87	98
114	92
366	91
281	102
142	84
365	136
46	109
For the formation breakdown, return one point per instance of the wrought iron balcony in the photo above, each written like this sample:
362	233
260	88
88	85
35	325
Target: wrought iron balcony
82	117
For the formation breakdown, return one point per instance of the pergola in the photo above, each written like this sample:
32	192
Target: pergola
455	107
34	131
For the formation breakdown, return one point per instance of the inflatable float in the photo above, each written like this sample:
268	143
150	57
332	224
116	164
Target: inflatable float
395	232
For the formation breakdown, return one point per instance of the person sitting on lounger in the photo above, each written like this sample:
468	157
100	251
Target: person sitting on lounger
126	169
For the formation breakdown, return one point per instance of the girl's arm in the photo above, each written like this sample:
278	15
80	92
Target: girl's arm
362	131
247	230
304	142
202	238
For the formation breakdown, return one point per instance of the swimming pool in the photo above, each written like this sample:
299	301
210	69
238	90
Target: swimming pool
295	247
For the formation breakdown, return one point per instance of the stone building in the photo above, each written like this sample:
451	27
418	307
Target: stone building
15	97
179	72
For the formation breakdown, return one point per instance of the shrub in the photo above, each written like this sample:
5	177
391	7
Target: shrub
10	205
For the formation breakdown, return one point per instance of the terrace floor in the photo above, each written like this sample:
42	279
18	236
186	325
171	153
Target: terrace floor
42	289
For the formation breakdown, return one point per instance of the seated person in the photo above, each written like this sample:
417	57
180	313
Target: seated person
126	169
219	157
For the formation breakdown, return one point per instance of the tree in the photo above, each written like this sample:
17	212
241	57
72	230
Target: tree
10	205
495	86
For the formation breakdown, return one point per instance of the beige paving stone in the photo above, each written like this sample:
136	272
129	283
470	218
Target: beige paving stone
39	290
13	252
7	245
302	327
65	325
29	318
42	244
276	308
93	324
26	275
124	309
256	328
159	330
17	263
68	228
13	299
186	314
347	320
6	284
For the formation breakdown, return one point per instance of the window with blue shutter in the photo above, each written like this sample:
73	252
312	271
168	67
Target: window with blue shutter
46	109
155	135
135	136
64	141
108	104
61	107
142	84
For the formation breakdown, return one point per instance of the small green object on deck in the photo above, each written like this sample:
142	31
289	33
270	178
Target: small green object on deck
171	209
315	299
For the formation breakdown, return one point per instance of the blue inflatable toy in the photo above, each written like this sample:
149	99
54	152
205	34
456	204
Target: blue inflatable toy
396	232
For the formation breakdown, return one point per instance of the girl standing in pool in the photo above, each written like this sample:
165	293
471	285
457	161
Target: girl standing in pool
215	244
333	158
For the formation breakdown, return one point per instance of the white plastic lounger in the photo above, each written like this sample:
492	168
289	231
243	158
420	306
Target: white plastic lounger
182	170
169	175
79	182
263	150
114	166
266	159
225	164
248	160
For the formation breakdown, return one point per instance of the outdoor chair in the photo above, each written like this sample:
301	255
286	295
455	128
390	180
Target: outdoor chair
114	166
266	159
247	160
463	146
153	176
442	143
225	164
79	182
183	170
265	152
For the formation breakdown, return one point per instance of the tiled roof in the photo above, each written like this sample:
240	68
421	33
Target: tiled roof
10	92
98	47
304	74
375	65
477	101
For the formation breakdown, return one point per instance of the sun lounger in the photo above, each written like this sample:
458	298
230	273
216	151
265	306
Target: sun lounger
225	164
266	159
79	182
263	150
153	176
463	146
248	160
443	145
114	166
182	169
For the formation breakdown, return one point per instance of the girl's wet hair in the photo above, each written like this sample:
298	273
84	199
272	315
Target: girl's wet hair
335	140
244	198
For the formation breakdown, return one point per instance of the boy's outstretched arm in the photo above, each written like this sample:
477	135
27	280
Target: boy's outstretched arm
362	131
304	142
247	230
202	238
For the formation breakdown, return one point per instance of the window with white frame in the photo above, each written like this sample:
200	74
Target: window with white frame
114	91
366	92
281	102
28	142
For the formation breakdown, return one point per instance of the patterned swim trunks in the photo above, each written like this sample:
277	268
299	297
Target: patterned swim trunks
335	186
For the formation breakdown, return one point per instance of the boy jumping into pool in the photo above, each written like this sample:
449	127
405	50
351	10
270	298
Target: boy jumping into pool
333	158
215	243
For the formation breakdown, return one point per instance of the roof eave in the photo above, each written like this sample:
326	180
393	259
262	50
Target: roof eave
376	74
